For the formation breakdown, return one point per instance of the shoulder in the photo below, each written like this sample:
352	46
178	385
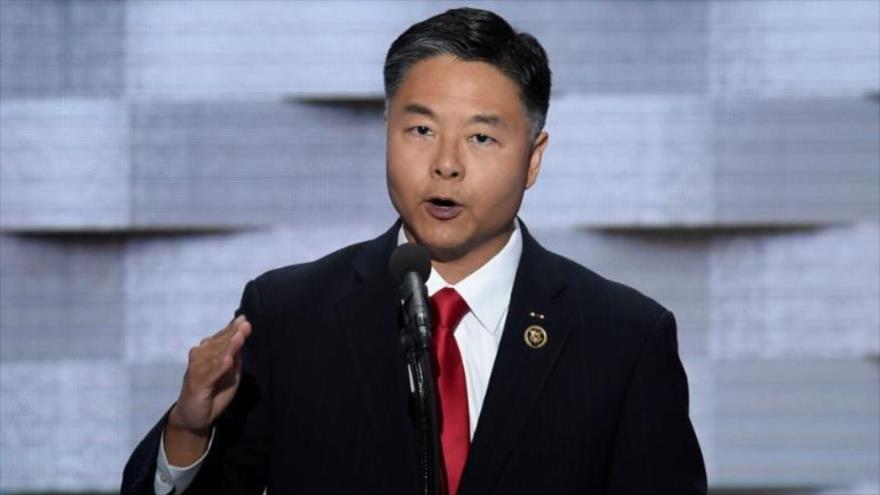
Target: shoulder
330	265
306	284
585	288
609	315
607	299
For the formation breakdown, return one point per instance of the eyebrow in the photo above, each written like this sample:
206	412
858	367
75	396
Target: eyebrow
419	110
488	119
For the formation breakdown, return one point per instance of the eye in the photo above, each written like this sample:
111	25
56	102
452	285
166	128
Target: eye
483	139
421	130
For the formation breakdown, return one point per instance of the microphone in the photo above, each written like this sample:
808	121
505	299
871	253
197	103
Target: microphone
410	266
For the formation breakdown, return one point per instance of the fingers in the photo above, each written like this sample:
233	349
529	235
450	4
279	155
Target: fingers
228	348
212	375
225	331
234	344
215	355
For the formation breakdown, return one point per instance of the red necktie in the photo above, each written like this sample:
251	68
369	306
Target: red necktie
455	437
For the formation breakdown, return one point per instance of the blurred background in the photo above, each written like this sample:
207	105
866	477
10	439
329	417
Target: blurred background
723	157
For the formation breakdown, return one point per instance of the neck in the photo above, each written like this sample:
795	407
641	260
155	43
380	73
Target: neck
456	267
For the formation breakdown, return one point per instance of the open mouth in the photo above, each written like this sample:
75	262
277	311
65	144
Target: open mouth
443	202
443	208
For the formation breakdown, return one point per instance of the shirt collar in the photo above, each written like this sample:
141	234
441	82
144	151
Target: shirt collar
487	290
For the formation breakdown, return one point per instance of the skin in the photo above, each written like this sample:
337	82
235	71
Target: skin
213	373
455	130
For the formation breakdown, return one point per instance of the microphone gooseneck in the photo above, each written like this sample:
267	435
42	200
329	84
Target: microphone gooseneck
410	266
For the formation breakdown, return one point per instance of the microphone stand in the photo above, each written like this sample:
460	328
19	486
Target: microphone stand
416	341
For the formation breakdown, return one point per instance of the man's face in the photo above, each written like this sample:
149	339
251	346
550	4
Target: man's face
460	155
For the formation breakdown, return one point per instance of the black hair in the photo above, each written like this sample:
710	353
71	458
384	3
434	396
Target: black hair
476	35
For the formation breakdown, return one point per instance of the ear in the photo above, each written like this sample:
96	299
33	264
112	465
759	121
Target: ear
537	153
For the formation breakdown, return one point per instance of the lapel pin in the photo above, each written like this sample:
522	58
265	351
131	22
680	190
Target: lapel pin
535	337
536	315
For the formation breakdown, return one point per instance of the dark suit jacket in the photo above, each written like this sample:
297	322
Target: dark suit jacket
323	404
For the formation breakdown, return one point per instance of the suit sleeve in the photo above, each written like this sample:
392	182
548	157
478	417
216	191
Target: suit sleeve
236	462
656	450
137	478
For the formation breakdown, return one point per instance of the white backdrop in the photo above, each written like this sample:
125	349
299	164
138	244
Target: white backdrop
720	156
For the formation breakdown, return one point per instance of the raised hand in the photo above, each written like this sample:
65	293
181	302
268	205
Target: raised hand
212	377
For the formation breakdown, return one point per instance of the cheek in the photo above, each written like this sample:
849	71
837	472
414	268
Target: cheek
402	176
500	188
506	177
406	156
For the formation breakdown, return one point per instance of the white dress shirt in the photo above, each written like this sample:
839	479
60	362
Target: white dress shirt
487	294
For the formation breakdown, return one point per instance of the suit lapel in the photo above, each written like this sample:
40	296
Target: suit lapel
519	372
368	312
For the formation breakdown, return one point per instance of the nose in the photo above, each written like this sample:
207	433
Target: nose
447	165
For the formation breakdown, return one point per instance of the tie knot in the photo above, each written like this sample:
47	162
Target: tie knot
449	308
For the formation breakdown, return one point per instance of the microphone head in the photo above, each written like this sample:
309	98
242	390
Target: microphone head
410	257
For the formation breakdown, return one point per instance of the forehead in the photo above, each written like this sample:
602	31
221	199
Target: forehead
445	83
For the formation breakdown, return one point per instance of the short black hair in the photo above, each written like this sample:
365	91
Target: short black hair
476	35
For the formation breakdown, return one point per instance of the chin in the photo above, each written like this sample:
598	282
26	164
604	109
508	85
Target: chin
446	253
442	248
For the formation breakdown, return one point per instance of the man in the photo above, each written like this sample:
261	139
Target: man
551	379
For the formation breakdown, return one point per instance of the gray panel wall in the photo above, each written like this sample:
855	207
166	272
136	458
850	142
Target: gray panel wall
246	163
57	48
65	164
722	157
